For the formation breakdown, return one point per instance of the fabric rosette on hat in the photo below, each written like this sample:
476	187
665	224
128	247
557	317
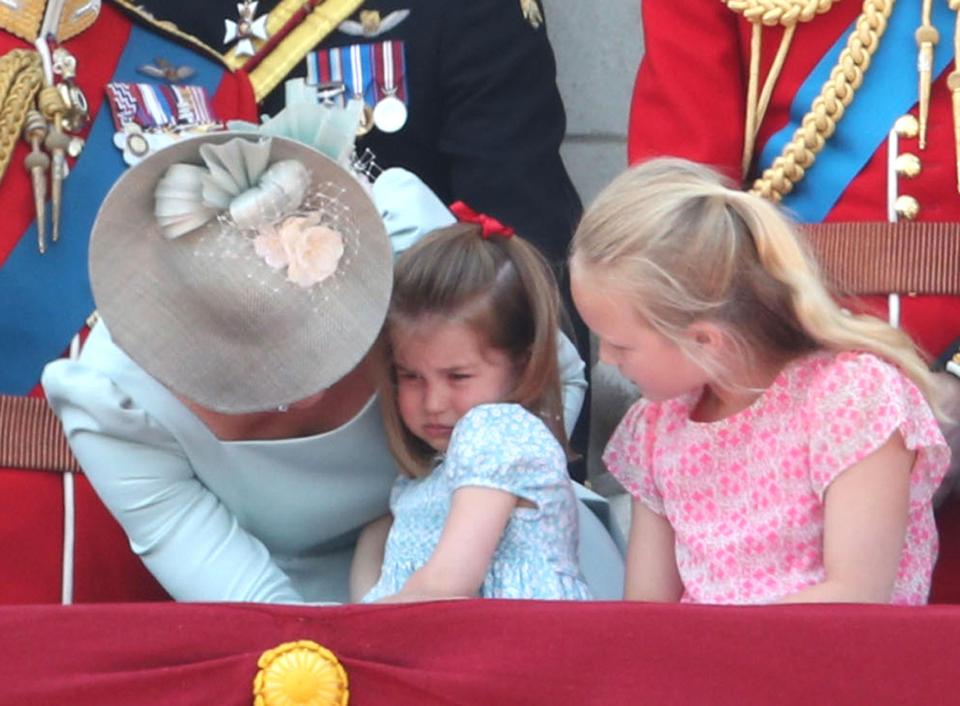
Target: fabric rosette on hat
242	272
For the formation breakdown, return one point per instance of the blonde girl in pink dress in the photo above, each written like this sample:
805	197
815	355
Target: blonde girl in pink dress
783	450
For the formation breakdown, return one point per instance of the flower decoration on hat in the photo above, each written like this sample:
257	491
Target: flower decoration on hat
241	188
489	225
308	249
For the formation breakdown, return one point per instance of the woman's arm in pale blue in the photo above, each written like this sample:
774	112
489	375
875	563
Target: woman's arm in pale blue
185	536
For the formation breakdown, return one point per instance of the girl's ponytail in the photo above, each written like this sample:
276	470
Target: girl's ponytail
784	256
687	246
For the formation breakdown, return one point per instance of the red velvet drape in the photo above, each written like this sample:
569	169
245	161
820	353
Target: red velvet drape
488	652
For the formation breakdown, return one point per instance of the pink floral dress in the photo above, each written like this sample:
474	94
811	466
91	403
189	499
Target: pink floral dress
745	494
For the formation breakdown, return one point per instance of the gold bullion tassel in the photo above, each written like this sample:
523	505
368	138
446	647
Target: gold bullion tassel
927	37
953	83
53	108
37	163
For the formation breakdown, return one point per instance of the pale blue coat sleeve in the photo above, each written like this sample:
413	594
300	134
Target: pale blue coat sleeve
573	379
185	536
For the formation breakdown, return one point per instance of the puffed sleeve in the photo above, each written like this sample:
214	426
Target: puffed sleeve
855	404
629	454
503	122
689	98
408	207
185	536
504	446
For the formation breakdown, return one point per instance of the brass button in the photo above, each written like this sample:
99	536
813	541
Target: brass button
907	126
907	207
907	164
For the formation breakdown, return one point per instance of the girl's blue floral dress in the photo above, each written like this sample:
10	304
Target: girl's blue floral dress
506	447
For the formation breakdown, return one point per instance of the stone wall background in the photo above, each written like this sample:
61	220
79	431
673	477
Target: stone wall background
598	45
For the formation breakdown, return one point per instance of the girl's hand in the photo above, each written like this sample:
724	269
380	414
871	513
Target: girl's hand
865	525
456	569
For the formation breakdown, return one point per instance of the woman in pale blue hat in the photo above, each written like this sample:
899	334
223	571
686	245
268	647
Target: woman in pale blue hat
224	406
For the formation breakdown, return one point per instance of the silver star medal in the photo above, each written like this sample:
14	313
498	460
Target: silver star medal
247	29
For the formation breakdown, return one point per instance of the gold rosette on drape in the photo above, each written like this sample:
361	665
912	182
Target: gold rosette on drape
300	673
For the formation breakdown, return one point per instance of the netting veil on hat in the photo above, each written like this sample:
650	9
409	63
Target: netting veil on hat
243	273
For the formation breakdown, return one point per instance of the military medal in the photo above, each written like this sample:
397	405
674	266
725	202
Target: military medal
360	64
351	66
148	117
390	112
246	29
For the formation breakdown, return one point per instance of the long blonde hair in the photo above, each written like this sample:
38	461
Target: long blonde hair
686	245
504	290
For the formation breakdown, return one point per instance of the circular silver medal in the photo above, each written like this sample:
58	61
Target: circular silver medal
138	145
390	114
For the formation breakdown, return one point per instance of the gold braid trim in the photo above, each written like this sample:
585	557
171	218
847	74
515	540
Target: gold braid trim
292	49
21	75
170	28
779	12
787	13
827	109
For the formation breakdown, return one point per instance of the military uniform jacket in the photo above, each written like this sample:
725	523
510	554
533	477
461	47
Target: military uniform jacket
690	101
47	297
45	302
485	119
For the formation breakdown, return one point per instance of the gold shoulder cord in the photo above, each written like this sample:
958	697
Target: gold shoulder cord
21	76
827	109
760	13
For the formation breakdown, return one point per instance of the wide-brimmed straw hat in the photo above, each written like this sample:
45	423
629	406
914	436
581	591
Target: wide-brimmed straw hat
244	273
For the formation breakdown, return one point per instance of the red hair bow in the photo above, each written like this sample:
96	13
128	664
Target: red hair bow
490	225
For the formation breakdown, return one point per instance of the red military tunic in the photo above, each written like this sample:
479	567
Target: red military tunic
32	501
690	101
